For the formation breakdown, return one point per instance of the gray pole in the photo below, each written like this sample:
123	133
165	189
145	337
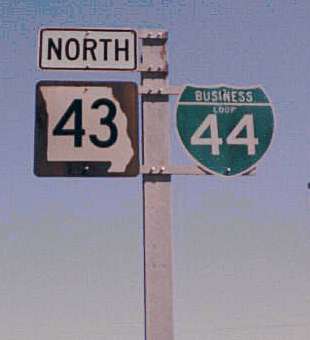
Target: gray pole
156	189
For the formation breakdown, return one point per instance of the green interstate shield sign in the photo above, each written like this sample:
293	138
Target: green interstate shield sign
225	129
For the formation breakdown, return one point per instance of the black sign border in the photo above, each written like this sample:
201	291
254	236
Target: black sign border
87	68
126	93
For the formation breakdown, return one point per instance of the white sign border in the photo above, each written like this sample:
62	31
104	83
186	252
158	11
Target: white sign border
241	87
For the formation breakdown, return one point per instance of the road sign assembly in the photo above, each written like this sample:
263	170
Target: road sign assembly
86	129
92	49
91	129
225	129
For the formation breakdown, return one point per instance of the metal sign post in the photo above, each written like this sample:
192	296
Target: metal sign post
226	131
156	189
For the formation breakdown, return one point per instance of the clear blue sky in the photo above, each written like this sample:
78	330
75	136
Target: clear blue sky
71	256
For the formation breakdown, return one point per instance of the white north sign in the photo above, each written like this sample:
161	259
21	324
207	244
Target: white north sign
88	49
